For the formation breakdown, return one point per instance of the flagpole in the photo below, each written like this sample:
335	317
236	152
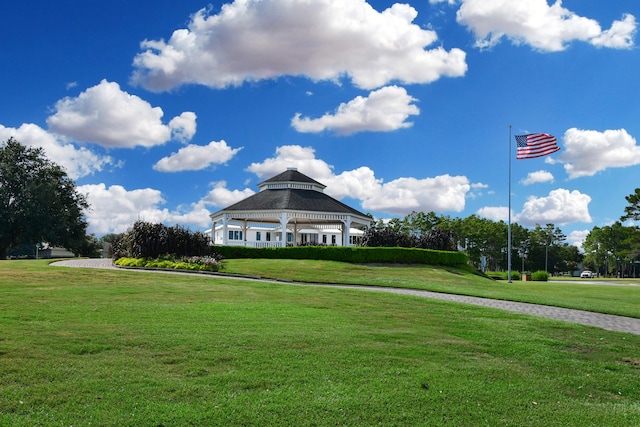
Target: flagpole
509	223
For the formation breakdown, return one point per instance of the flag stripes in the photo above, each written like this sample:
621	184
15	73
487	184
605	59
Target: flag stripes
535	145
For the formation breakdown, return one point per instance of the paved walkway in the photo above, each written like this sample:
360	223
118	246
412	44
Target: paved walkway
604	321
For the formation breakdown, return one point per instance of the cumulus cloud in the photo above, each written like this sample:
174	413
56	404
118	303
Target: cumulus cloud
114	209
384	110
323	40
183	127
400	196
577	237
559	207
221	197
534	22
538	177
197	157
588	152
495	213
77	162
404	195
288	156
106	115
619	36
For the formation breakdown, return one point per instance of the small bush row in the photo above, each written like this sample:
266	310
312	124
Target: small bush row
194	263
358	255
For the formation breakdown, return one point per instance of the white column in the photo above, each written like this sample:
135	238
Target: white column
283	225
346	231
225	229
213	233
244	232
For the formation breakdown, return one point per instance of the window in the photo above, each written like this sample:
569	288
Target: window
324	239
268	236
333	239
258	236
235	235
289	237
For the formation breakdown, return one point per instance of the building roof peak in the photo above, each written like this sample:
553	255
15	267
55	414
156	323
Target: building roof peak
292	176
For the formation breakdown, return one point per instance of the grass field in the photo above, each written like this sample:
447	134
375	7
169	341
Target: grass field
620	300
100	347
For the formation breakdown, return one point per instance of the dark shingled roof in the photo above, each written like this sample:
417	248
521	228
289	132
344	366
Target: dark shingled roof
296	199
292	199
291	175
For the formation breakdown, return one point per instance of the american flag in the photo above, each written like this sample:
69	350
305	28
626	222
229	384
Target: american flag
535	145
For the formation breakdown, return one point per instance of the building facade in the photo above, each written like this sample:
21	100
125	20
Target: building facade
289	209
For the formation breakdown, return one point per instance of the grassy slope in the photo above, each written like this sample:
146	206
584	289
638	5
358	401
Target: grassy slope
80	347
621	300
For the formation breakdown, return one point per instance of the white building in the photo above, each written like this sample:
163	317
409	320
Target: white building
289	209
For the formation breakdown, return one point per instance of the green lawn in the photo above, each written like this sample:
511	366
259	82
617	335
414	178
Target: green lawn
100	347
621	300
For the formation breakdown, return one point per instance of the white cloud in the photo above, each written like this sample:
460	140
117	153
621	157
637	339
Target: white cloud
106	115
114	209
400	196
538	177
358	183
221	197
384	110
619	36
544	27
197	157
588	152
77	162
404	195
321	40
183	127
495	213
577	237
477	190
292	156
559	207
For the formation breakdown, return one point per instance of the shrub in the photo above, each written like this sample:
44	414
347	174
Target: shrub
206	263
540	276
146	240
131	262
185	266
160	263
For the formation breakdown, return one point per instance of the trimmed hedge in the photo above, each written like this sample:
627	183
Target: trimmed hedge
540	276
357	255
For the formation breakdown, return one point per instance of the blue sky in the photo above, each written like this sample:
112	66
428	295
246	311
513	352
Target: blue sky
168	111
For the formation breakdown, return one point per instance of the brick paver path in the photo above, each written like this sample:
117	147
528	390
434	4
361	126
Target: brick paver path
605	321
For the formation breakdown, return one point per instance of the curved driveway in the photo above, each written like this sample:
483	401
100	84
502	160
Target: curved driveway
604	321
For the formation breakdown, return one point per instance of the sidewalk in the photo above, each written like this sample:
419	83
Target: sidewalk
604	321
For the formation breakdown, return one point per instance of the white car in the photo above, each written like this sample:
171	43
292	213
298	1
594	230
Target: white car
586	274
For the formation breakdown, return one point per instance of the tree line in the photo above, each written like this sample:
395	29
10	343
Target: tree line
612	250
40	203
483	240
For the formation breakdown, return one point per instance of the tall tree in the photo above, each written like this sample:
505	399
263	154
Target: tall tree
38	201
633	210
544	248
